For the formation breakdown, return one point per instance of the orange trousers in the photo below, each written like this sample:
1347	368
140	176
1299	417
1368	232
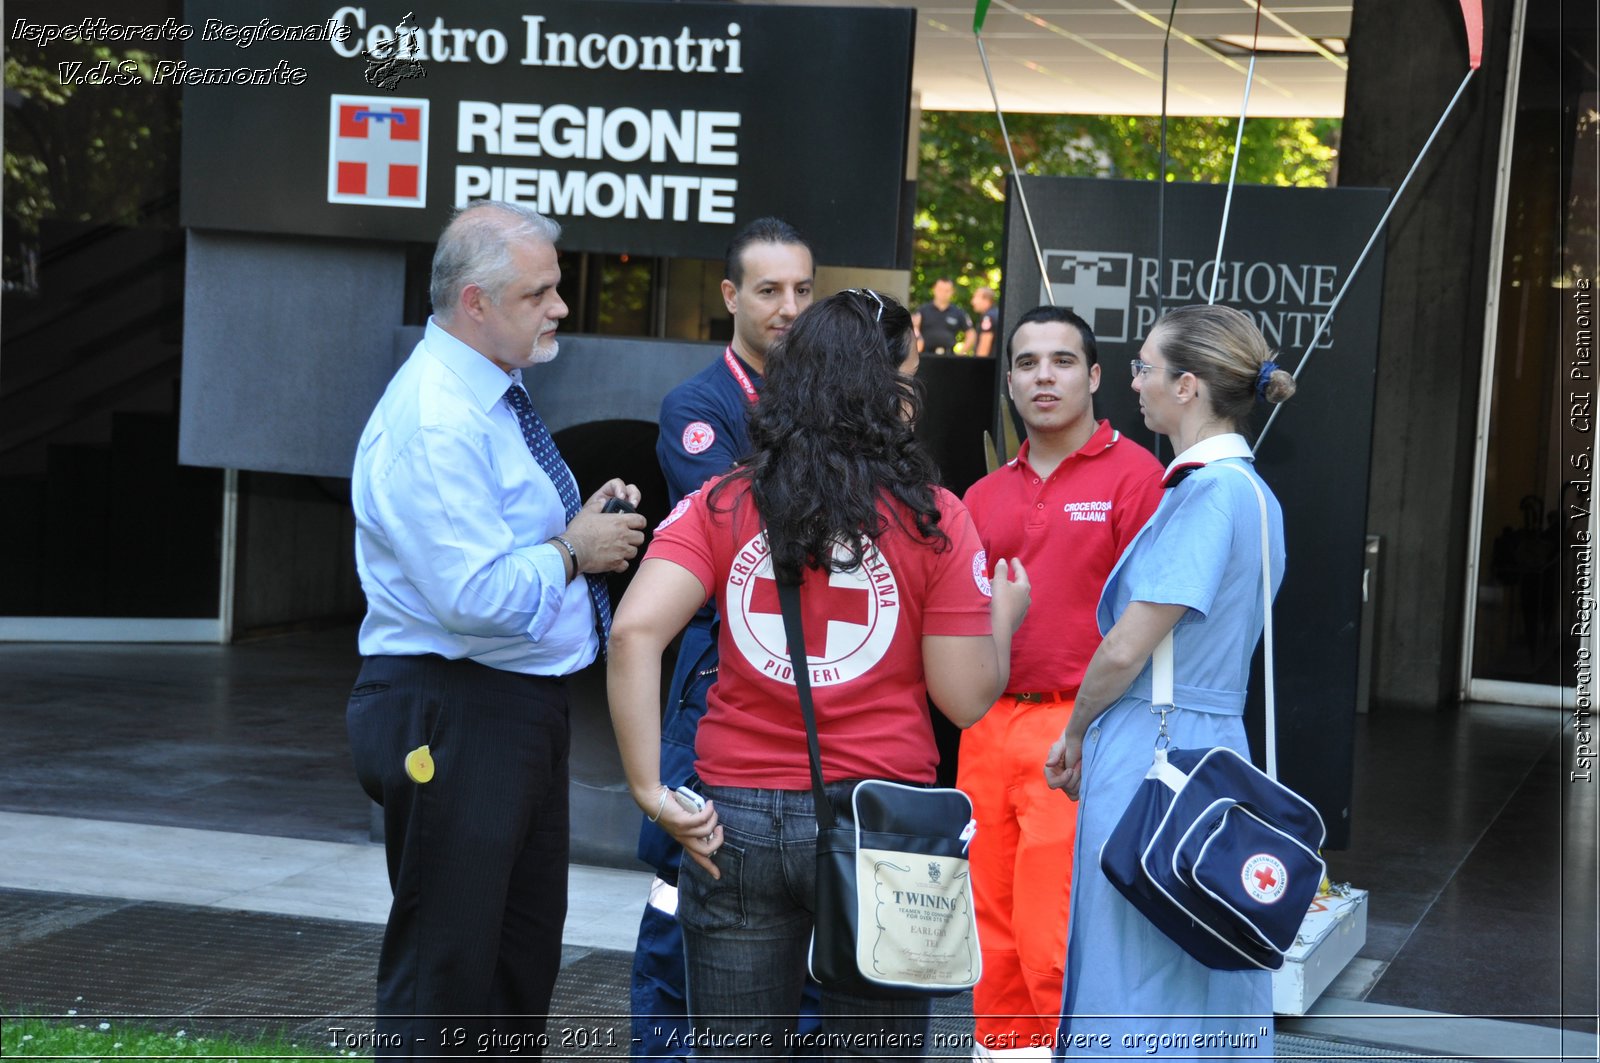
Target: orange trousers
1021	862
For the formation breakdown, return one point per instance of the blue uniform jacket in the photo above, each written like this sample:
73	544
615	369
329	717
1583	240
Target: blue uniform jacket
703	432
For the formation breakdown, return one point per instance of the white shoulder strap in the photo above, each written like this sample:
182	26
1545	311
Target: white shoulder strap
1161	659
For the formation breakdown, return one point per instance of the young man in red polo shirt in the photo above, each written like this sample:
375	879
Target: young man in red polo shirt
1066	506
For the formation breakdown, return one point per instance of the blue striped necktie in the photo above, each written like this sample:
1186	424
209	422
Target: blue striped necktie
549	459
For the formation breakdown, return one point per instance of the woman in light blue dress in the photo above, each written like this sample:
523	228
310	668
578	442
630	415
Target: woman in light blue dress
1194	570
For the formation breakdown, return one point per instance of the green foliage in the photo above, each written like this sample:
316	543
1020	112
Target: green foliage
624	296
26	1037
99	153
962	168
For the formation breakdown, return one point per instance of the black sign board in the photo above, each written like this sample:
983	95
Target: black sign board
1287	254
648	128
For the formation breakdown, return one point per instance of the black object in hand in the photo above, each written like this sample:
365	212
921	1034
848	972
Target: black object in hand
617	505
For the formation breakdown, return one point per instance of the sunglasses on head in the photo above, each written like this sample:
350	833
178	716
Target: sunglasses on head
870	293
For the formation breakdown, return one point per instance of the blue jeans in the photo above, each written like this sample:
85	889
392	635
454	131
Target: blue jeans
660	1022
747	936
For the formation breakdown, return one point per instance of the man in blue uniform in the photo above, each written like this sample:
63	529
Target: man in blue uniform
767	284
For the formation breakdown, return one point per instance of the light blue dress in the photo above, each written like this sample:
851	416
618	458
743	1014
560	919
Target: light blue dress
1129	990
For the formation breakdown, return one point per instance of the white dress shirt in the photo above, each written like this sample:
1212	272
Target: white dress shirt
453	515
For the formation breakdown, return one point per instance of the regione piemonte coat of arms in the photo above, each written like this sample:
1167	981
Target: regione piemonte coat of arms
378	151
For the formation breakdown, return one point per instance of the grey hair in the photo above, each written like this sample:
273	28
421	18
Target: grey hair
475	248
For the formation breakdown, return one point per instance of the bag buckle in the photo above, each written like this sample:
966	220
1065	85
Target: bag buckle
1163	737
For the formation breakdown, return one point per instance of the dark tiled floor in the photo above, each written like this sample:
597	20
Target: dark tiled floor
1521	902
1480	857
1427	788
246	738
1479	854
208	971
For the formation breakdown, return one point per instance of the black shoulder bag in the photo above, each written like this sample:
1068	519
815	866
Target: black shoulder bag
894	912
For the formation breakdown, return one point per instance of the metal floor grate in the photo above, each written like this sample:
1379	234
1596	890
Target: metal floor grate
1296	1047
211	970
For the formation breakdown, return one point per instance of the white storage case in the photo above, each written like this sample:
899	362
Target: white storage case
1334	931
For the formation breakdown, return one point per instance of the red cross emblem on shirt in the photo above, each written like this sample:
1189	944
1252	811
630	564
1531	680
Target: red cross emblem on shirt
698	437
819	605
1264	879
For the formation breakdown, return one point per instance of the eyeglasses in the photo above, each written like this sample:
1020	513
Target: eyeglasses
869	292
1142	368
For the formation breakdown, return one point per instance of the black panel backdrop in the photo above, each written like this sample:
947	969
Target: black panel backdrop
797	111
1288	251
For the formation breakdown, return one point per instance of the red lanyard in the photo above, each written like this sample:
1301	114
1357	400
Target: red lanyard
739	374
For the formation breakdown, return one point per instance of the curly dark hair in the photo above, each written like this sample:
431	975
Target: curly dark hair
831	436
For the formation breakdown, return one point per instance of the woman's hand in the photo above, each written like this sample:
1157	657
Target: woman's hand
1115	664
1012	595
698	832
1063	764
965	673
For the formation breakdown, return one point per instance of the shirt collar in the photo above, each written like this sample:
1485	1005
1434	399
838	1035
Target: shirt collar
1103	439
755	374
487	381
1214	448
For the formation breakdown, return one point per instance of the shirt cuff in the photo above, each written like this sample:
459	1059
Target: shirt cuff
549	561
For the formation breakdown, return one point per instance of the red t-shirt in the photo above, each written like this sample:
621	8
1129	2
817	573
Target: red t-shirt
863	634
1069	531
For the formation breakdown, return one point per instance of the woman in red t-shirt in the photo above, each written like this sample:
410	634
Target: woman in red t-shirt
897	609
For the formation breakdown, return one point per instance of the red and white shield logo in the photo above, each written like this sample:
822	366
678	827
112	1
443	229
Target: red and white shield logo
378	151
698	437
849	621
980	573
678	510
1265	878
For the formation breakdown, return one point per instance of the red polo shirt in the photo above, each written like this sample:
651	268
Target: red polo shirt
863	634
1069	529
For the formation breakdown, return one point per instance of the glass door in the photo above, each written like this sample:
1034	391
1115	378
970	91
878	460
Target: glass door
1539	386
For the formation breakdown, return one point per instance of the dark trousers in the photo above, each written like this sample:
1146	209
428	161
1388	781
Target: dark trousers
477	855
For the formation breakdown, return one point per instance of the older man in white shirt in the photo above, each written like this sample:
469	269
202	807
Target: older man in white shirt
485	586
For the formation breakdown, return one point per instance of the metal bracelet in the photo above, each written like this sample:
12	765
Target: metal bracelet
566	544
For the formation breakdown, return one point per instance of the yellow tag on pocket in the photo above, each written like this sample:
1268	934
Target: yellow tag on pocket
419	764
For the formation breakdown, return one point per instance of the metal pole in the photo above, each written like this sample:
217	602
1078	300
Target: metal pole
1161	178
1322	324
1016	175
1233	171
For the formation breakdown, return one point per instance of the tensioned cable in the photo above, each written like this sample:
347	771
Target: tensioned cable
1200	46
978	15
1233	171
1161	178
1322	323
1472	18
1316	45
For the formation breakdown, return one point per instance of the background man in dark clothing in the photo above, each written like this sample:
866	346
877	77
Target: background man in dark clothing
940	324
